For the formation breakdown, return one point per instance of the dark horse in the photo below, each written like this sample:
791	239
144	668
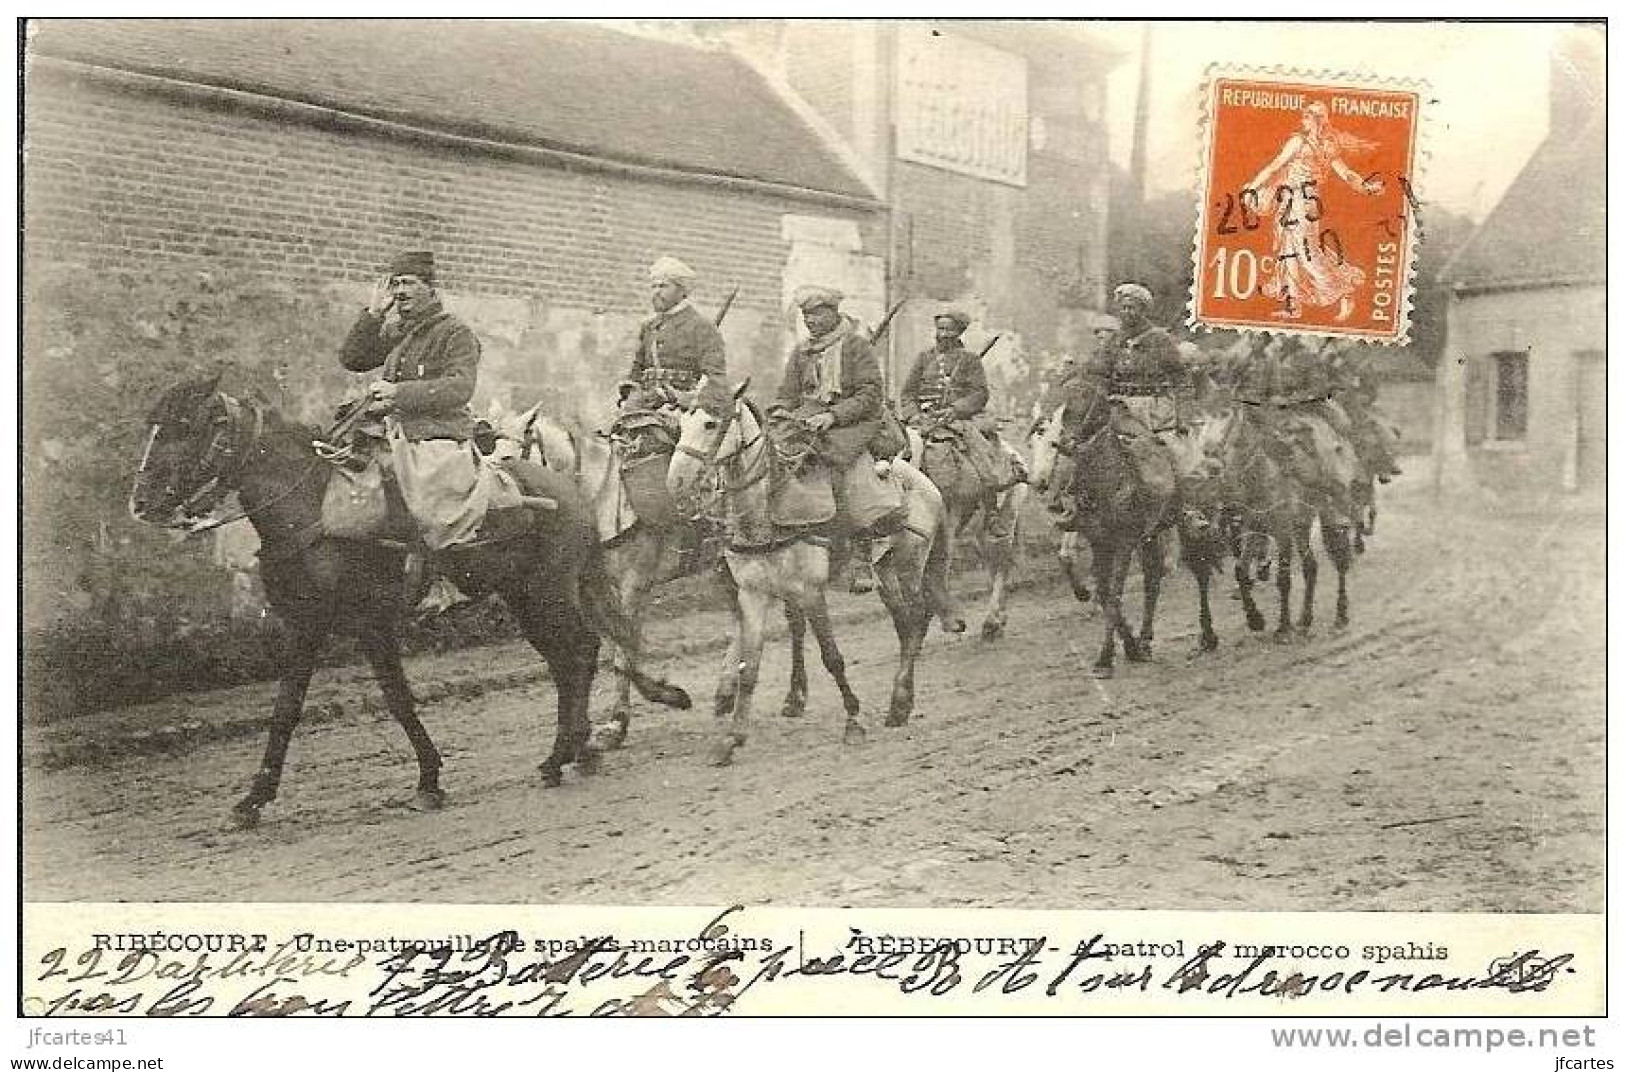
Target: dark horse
204	443
1114	511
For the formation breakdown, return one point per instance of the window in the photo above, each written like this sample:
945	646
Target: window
1511	396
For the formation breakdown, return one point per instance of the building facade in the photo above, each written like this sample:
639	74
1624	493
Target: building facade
1522	389
987	141
202	194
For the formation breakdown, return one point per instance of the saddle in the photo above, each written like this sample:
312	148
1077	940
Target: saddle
807	491
364	501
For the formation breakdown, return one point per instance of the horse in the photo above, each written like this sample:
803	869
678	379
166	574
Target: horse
793	566
634	541
204	443
1119	518
934	453
1275	504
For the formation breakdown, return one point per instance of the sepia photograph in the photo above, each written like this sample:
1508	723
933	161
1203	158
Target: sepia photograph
909	472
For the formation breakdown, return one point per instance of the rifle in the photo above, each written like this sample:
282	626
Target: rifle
728	303
885	325
989	347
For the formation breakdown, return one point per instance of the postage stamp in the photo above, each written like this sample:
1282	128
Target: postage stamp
1308	219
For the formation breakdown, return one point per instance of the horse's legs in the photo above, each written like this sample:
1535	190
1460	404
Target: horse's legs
953	619
1202	564
1244	583
1342	558
999	553
1310	565
1153	563
298	665
898	574
1283	581
557	630
635	580
817	611
1068	554
750	612
1109	583
795	701
384	655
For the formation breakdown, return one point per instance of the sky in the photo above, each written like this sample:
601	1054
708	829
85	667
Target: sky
1484	105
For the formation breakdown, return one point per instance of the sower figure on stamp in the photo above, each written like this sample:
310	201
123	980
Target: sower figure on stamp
830	400
418	407
678	348
946	390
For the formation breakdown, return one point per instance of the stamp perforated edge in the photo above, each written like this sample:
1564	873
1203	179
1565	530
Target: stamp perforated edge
1421	156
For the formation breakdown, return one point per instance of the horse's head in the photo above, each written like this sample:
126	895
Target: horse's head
1044	447
511	431
187	463
705	440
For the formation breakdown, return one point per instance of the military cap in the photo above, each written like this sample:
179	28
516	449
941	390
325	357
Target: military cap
1137	291
415	262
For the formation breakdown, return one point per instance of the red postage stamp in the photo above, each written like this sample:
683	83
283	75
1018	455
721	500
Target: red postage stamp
1308	219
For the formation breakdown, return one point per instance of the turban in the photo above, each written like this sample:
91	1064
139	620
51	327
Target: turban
808	298
672	270
1135	291
419	263
958	316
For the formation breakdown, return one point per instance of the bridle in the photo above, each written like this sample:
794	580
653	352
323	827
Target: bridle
216	470
713	457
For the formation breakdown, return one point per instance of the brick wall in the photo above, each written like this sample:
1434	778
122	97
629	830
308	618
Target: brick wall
215	235
118	179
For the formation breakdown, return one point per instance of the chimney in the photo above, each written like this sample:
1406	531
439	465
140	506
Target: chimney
1577	81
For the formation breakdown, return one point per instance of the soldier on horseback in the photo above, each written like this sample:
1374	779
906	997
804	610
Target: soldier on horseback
1138	369
947	389
832	393
1284	385
677	347
415	417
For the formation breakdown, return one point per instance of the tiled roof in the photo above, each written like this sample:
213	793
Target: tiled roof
1550	227
568	86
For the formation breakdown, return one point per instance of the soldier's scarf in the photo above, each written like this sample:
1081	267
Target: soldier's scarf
830	383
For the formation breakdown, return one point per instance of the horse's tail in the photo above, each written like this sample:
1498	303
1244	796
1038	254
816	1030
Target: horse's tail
601	604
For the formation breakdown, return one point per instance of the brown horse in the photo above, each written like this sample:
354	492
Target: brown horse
1277	507
205	443
911	569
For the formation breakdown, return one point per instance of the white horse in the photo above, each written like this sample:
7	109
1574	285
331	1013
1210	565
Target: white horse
793	567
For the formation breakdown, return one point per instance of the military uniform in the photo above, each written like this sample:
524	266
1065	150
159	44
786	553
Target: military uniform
433	359
950	385
433	356
1301	390
838	374
675	349
1142	369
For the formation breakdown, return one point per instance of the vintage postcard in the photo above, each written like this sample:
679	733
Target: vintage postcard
807	517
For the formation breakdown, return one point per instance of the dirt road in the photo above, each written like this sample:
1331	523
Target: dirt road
1443	753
